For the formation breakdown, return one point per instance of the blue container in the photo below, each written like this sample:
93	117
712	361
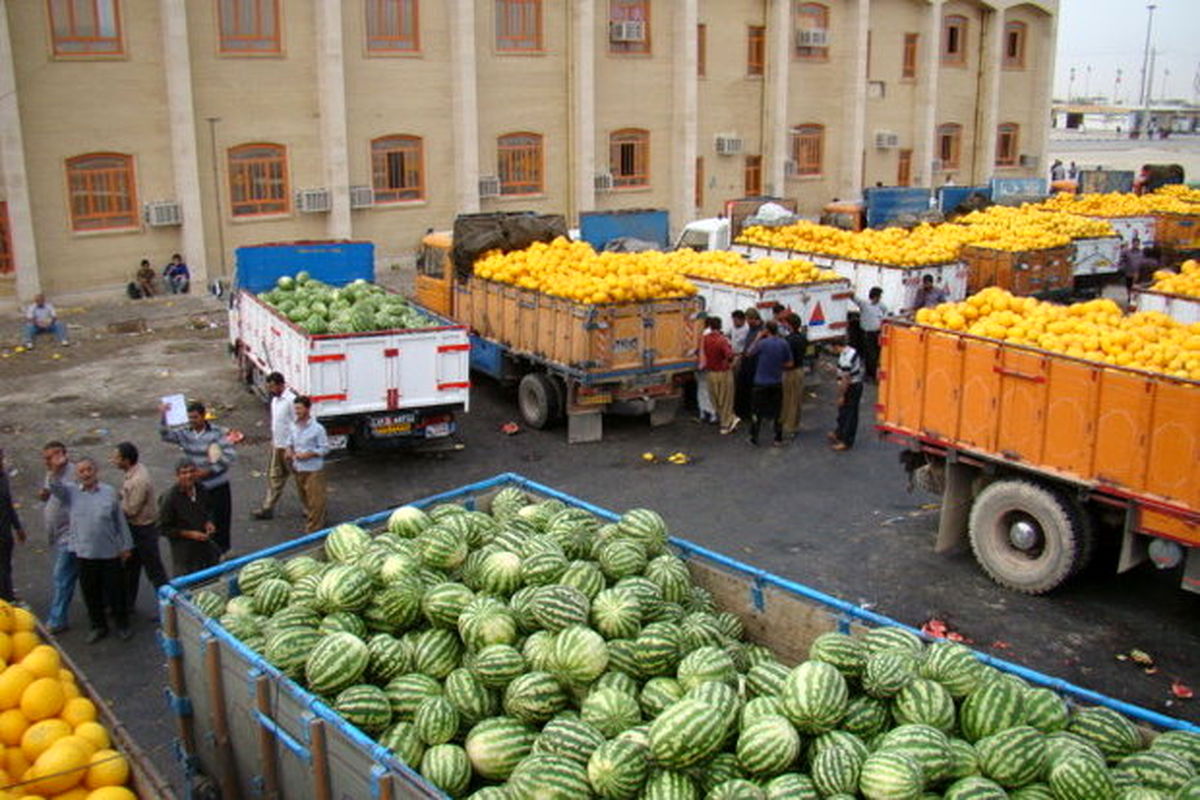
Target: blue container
950	196
336	263
598	228
886	203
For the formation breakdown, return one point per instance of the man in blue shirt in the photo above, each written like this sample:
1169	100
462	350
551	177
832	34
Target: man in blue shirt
772	356
307	446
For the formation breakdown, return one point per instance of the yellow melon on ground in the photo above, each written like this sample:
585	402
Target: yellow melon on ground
77	710
61	767
13	682
108	768
43	699
95	733
41	735
23	643
43	661
13	725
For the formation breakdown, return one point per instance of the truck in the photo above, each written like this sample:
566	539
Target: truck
399	388
1040	458
822	305
1181	308
255	732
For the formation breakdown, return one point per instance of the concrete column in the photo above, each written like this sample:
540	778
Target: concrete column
991	63
331	100
683	139
1039	134
185	160
854	117
776	119
924	150
16	180
466	107
583	107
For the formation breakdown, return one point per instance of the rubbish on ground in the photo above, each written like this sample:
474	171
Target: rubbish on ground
1182	690
510	429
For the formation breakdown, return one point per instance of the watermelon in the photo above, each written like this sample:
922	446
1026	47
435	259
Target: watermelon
622	658
845	652
288	649
570	738
866	716
402	740
366	706
953	665
890	775
814	697
388	658
705	664
1045	710
722	767
1156	769
436	652
507	502
579	656
544	568
497	665
926	745
720	696
835	770
614	679
1081	779
337	662
343	622
346	543
657	694
495	746
499	573
924	701
294	616
271	595
621	558
964	761
435	720
768	746
644	526
700	629
1034	791
442	548
344	588
1013	757
209	603
255	572
471	699
791	786
765	705
1181	743
618	768
584	576
616	614
406	692
843	739
974	787
610	711
878	640
887	672
992	707
669	784
534	697
671	576
408	521
766	678
442	604
1110	731
556	607
448	768
736	789
687	733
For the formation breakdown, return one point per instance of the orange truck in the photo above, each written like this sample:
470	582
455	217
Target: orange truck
1040	457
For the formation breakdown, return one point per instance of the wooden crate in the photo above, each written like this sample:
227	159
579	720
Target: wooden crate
1022	273
1177	231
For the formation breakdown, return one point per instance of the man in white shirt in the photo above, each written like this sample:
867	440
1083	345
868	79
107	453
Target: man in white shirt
871	313
283	414
40	317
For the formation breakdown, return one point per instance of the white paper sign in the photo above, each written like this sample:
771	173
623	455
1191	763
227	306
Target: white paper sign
177	411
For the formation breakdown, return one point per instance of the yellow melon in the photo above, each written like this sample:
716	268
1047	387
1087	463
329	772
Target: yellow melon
61	767
77	710
42	699
112	793
108	768
23	643
95	733
13	682
13	724
23	619
43	661
40	735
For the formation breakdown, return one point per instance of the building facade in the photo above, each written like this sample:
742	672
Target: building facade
134	129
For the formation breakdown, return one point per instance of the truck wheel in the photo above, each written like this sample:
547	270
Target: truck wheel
536	399
1025	536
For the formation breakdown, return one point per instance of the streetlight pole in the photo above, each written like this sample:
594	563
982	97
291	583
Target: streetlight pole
1087	83
1071	87
1145	95
1116	93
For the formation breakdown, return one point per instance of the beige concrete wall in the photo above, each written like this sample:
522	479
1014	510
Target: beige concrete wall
1018	87
897	110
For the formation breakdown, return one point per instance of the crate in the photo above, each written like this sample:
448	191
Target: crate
1022	273
1177	231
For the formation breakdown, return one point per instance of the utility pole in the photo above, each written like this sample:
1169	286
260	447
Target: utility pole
1144	98
1071	87
1116	92
1087	83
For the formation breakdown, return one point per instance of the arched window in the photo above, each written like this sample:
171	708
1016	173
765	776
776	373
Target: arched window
808	149
811	26
1014	44
258	182
102	192
519	163
398	168
954	40
949	145
629	157
1007	142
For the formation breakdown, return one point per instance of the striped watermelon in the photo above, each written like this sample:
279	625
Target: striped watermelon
1034	791
557	607
1182	743
337	662
507	502
736	789
209	603
346	543
766	678
366	706
669	784
924	701
1110	731
671	576
926	745
614	679
549	777
471	699
538	649
887	672
761	706
658	649
495	746
1156	769
890	775
730	625
1081	779
814	697
436	652
974	787
402	740
344	587
442	604
436	720
497	665
964	761
843	739
296	568
447	767
768	746
621	558
722	767
700	629
617	614
722	697
618	769
271	595
1190	790
703	665
295	616
255	572
700	599
791	786
240	606
992	707
845	652
1063	745
867	716
579	656
443	510
687	733
288	649
388	658
343	622
534	697
1013	757
622	657
835	770
952	665
645	526
400	603
499	573
657	694
569	737
544	568
610	711
877	640
408	521
1045	710
406	692
483	630
399	565
584	576
442	548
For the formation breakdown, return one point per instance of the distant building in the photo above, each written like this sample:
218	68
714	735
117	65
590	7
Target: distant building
1099	117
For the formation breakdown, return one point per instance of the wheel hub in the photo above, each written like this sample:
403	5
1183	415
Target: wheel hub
1024	535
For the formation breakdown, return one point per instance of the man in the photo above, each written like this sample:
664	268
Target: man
140	505
145	279
307	446
771	357
929	295
746	359
780	314
101	540
283	414
10	529
849	393
739	332
1057	171
186	520
177	275
870	318
57	521
208	448
793	377
41	318
718	361
706	411
1134	263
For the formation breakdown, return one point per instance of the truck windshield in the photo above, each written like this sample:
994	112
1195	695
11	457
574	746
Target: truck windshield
429	261
697	240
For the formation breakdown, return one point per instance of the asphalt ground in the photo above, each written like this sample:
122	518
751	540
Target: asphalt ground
842	523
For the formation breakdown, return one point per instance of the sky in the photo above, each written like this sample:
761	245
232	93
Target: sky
1110	35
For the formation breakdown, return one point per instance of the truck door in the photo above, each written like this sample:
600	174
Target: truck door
433	281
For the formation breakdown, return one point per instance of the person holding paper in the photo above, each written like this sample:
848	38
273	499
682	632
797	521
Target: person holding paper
210	451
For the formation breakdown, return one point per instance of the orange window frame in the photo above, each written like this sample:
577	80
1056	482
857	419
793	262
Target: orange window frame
258	180
1015	36
752	176
6	251
908	66
629	158
249	27
1008	140
756	50
102	192
810	16
904	168
954	40
520	163
75	34
630	11
393	26
398	168
808	149
519	26
950	145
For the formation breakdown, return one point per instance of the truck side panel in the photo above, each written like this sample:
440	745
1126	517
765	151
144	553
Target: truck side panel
822	306
335	263
1176	306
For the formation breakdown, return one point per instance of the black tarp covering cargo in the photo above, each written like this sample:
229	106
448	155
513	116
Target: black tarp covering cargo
475	234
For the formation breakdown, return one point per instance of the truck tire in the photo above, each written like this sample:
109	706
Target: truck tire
1027	537
536	399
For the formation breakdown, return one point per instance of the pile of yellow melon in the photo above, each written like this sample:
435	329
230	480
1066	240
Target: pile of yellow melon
1186	282
729	267
1095	330
1180	191
1029	227
1118	204
51	745
924	245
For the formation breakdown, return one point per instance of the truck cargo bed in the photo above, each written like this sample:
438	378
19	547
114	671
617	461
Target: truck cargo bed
1178	307
822	305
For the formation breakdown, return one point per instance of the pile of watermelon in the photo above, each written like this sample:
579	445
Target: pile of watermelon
537	652
357	307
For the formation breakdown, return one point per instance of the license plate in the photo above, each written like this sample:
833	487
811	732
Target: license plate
437	430
338	441
391	430
391	421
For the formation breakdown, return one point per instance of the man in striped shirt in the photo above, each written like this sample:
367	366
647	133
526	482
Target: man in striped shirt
849	393
209	449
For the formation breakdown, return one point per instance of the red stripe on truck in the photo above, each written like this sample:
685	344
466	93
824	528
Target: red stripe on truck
327	357
325	398
453	348
456	385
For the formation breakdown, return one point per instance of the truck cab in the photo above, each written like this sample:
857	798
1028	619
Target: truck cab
705	234
434	286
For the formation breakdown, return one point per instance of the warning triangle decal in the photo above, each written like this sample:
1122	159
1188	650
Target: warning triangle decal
818	316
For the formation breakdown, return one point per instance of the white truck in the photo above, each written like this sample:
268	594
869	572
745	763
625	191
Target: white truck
387	388
821	304
1096	256
1180	308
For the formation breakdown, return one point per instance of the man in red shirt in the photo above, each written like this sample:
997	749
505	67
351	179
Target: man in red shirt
718	360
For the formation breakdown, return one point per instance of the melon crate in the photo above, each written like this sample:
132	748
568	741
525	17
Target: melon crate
631	646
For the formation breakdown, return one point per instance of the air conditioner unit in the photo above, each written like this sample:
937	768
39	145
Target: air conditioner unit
627	31
489	186
312	201
886	139
362	197
603	181
812	37
728	145
1030	162
162	213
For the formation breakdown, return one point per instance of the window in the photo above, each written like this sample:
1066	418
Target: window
954	40
102	192
811	24
258	181
629	26
701	49
629	157
6	254
752	176
249	26
949	145
398	168
392	26
908	68
1007	140
756	50
1014	45
904	169
808	146
699	190
520	163
85	27
519	26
